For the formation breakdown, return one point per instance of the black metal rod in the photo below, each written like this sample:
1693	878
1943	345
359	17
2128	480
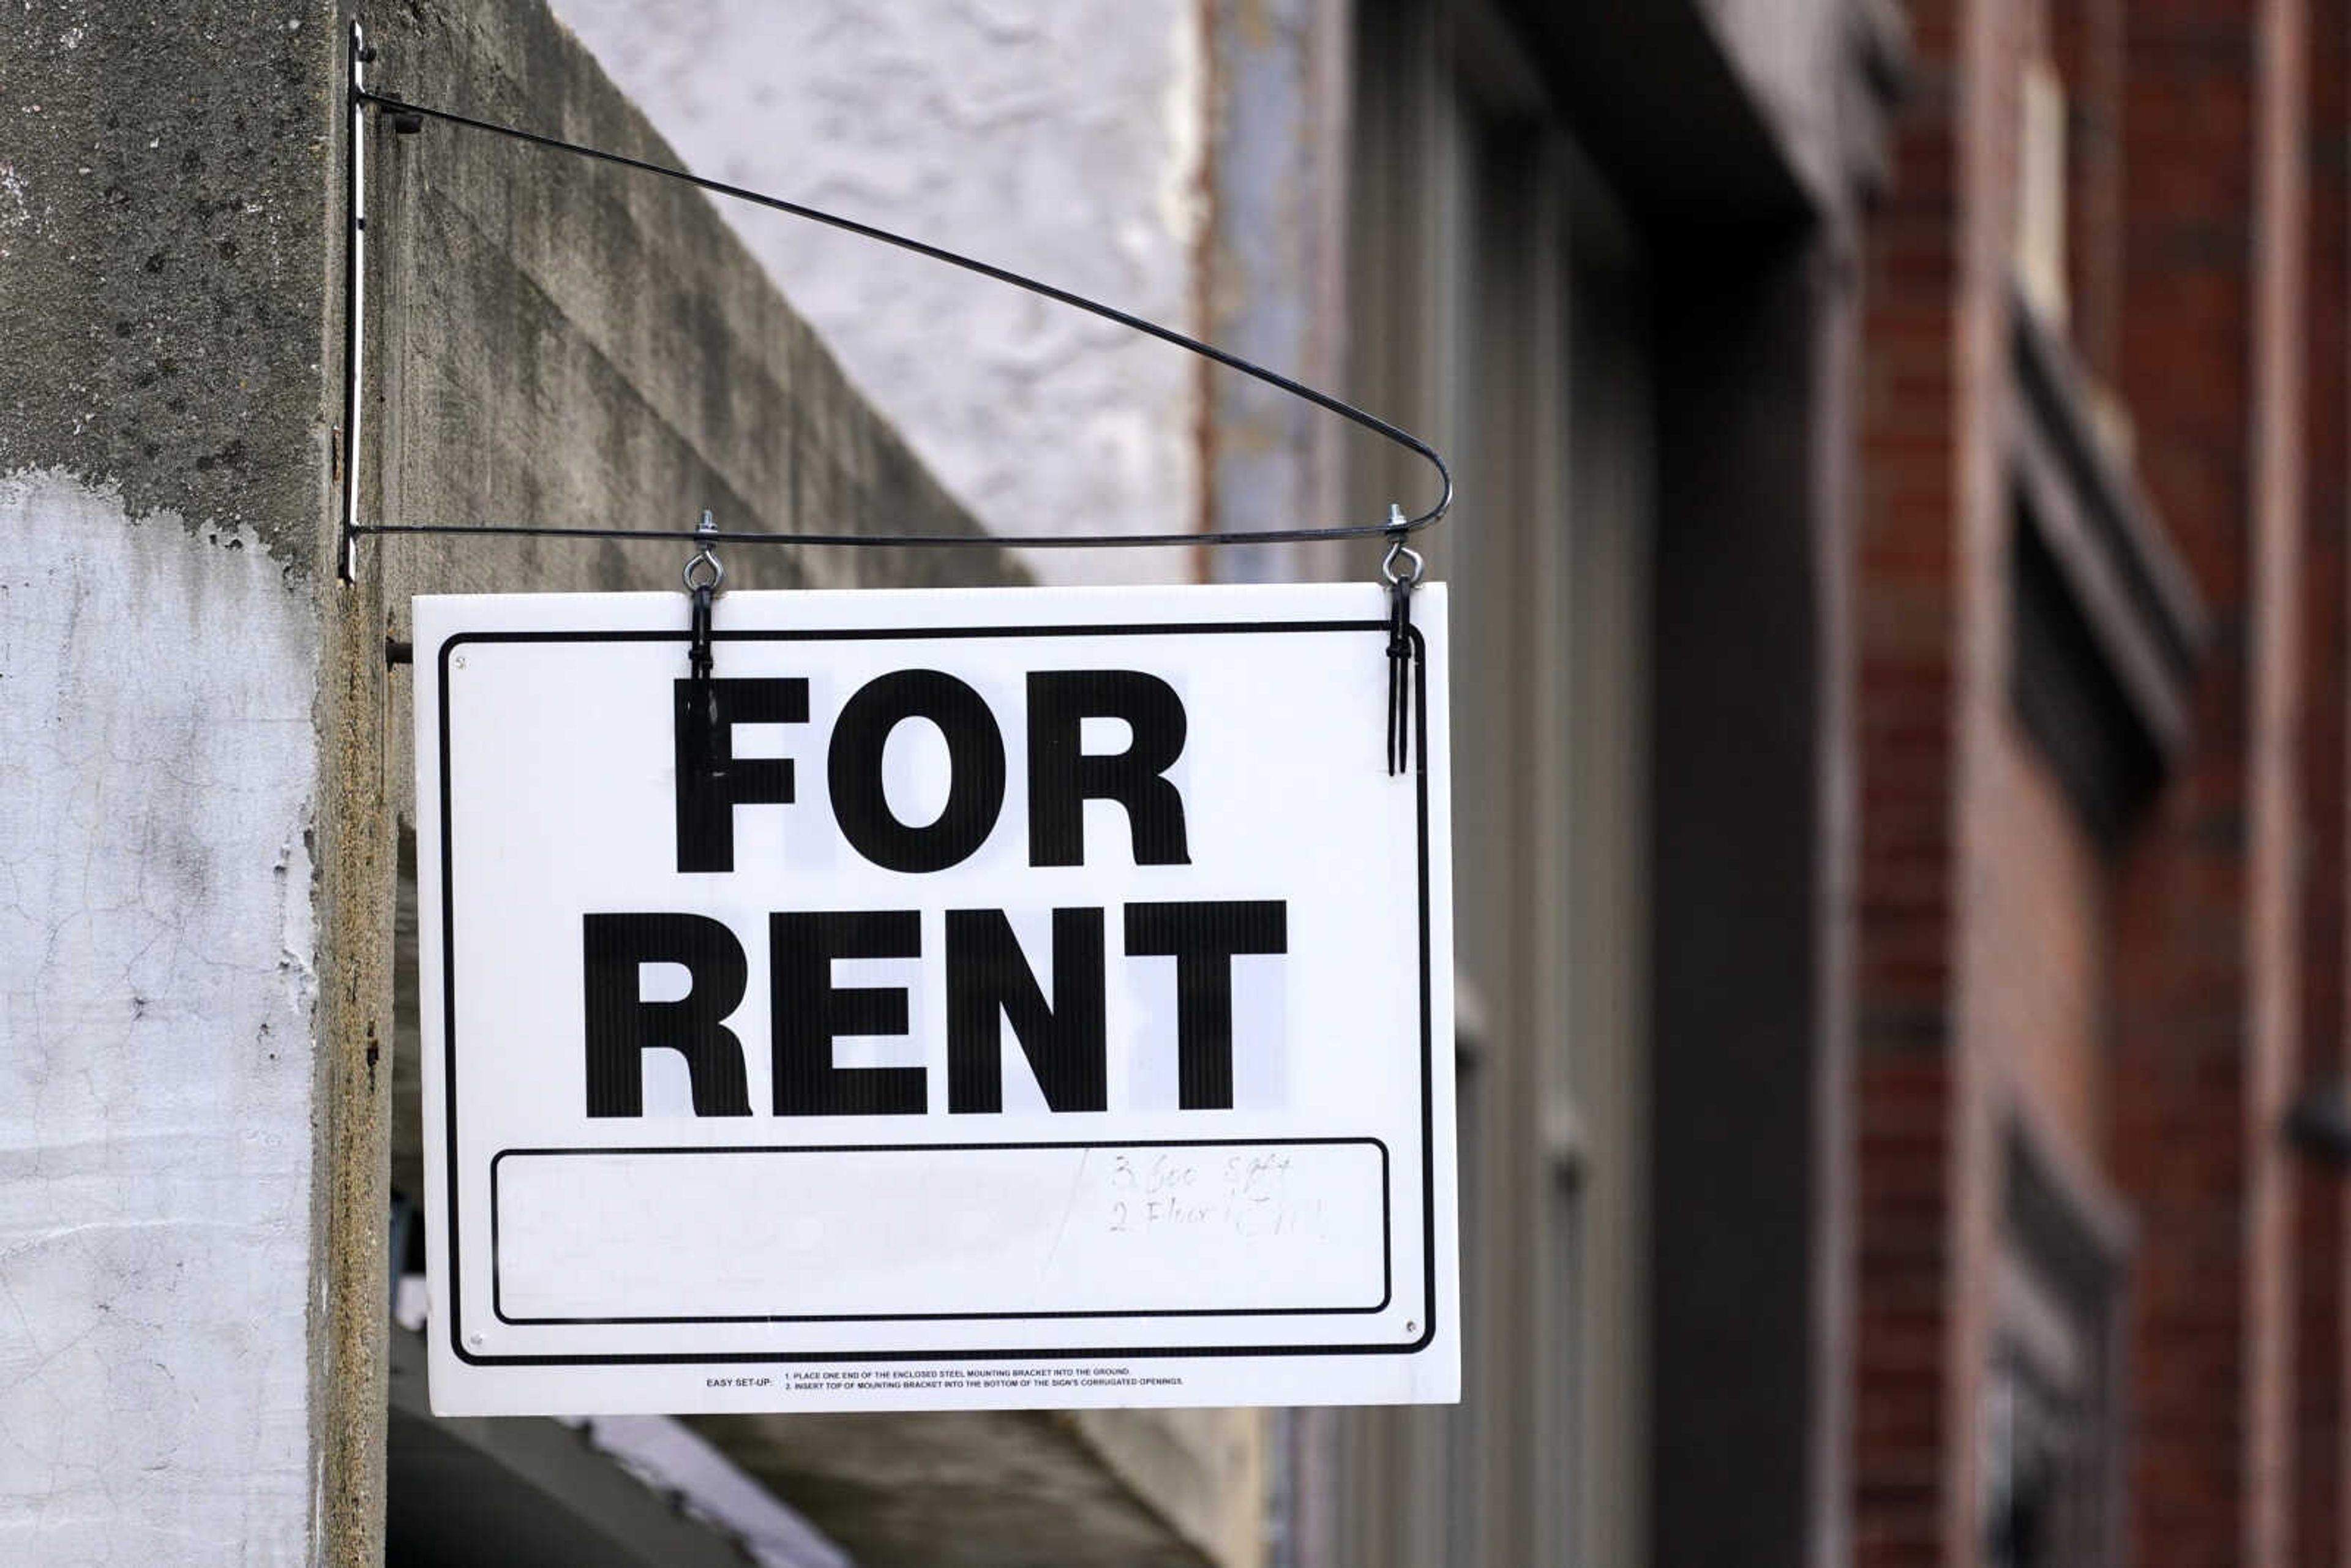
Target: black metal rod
1030	542
1296	389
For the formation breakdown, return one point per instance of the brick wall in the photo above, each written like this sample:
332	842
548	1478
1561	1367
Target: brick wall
2322	1322
2183	981
1909	483
2085	44
2154	1006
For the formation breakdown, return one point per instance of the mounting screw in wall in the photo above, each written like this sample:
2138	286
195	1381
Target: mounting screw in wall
1410	1328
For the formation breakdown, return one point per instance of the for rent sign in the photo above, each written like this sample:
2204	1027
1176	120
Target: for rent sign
958	999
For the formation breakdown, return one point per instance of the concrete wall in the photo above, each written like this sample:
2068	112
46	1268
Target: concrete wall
164	410
582	344
155	1026
1181	159
554	342
202	754
1062	138
1273	274
569	343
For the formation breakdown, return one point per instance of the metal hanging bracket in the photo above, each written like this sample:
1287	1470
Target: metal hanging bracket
1402	569
408	117
347	556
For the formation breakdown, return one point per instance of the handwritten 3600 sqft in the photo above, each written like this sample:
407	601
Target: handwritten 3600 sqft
1248	1195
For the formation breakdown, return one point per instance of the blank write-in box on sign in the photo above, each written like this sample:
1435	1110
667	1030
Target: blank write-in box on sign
961	1232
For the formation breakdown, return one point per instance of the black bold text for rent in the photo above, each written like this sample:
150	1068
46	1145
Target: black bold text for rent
989	980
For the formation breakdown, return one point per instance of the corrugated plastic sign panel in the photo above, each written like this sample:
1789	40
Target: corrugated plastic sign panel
960	998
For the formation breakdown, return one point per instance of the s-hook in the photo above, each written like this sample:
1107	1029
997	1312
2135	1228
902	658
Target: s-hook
702	575
1401	570
697	698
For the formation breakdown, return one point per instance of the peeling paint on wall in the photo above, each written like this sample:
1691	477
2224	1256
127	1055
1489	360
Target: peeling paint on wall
157	764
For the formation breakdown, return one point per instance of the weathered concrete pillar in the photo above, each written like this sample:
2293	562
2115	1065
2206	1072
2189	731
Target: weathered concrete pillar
189	799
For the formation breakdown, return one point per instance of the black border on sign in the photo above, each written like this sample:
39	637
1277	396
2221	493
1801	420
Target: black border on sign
909	633
1387	1240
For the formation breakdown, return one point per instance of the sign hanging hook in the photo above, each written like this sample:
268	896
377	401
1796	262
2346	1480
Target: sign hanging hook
697	698
1402	569
703	573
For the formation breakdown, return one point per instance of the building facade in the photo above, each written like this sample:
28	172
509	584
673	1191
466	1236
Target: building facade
2100	1183
1899	712
1610	265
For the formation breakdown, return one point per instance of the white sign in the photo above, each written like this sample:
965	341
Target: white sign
960	998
